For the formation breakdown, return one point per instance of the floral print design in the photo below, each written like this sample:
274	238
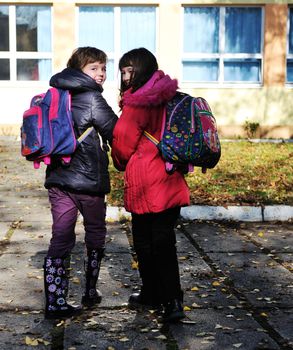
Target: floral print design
92	267
56	284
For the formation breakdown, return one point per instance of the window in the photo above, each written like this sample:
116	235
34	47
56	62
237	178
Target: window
25	42
222	45
115	30
290	48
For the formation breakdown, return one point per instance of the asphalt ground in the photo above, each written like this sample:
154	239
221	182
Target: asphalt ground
236	276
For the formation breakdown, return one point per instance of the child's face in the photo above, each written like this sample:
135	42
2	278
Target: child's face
127	74
97	71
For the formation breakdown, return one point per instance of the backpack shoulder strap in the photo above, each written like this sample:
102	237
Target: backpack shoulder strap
151	138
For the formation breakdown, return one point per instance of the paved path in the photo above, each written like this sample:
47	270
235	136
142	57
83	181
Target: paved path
237	279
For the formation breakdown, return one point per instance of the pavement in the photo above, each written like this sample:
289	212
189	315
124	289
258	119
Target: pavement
236	276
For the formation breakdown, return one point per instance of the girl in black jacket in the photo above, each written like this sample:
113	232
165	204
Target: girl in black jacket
80	186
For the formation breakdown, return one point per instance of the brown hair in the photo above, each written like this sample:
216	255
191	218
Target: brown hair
84	55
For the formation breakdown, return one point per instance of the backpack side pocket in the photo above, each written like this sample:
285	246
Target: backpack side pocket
31	131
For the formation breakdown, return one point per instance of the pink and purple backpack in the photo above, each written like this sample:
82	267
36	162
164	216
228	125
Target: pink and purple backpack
47	128
189	134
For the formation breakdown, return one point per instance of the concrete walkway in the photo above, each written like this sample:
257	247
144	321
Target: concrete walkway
236	277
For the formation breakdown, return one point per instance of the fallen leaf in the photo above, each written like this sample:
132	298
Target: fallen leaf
182	258
218	326
45	342
124	339
75	280
134	265
144	330
204	295
195	306
194	289
162	337
31	341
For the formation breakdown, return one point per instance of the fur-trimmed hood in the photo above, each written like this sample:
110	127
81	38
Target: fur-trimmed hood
159	89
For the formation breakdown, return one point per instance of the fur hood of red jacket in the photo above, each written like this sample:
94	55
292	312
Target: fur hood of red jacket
159	89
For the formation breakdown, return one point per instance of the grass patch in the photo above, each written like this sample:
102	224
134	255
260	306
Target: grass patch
247	173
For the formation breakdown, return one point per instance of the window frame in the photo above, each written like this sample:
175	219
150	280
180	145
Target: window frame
289	56
117	53
13	55
221	55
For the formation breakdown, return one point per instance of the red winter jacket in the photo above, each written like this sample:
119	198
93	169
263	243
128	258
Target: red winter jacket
147	186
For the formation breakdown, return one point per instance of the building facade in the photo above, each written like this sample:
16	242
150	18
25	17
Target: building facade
236	54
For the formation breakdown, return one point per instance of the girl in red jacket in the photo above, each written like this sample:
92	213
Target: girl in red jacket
151	195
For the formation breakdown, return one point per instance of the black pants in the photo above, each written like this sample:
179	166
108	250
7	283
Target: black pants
155	245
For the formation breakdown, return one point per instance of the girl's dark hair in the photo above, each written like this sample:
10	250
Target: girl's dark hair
144	65
84	55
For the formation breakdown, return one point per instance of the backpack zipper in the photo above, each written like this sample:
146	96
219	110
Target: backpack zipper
174	110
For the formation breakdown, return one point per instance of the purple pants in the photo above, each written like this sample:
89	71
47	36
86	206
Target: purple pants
64	208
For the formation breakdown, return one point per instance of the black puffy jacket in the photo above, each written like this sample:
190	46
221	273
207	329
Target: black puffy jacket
88	169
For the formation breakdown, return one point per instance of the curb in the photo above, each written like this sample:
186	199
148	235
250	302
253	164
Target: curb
219	213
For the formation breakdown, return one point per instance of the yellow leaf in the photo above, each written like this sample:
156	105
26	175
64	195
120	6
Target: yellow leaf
75	280
31	341
194	289
186	308
260	234
216	284
45	342
182	258
134	265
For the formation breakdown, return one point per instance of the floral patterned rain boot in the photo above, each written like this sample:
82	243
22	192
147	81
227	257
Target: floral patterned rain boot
92	264
56	288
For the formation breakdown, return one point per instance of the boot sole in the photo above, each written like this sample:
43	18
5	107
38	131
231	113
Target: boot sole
91	303
175	317
60	315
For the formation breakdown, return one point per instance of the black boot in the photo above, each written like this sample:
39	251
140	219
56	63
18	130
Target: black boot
56	288
142	300
92	296
173	311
